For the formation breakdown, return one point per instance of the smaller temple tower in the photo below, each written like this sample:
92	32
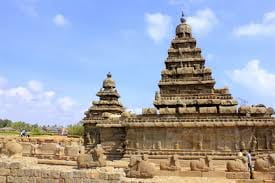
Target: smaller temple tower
107	106
108	100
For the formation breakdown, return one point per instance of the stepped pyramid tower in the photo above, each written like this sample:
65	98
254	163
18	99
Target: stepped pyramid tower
190	117
108	100
186	85
107	106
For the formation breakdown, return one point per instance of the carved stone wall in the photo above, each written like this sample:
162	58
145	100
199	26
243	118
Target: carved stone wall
113	142
214	140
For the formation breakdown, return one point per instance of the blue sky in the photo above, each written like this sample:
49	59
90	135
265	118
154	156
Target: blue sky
55	54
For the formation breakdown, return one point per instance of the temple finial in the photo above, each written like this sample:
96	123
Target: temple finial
109	75
182	19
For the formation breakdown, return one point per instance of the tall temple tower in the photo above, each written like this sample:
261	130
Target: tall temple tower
186	85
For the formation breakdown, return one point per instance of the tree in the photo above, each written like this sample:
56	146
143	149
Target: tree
5	123
20	125
76	129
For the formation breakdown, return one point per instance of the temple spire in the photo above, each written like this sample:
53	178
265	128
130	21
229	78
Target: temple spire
108	100
182	19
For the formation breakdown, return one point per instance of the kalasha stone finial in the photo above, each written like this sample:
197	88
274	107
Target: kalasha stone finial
182	19
109	75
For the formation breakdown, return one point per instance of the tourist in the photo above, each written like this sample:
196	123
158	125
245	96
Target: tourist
249	160
240	154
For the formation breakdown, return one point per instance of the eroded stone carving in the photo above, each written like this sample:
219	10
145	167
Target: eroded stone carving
173	164
147	111
237	165
265	163
96	159
203	164
14	149
140	167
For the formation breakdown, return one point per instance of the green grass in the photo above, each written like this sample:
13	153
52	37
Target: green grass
10	133
15	133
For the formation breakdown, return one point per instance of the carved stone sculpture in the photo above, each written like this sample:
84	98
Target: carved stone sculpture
203	164
167	110
34	148
84	161
253	143
99	155
148	111
14	149
140	167
237	165
173	164
262	164
265	163
97	159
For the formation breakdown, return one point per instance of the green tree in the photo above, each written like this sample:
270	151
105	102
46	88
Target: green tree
37	131
76	129
20	125
5	123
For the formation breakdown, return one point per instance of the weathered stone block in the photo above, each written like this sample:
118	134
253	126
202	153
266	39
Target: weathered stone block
66	174
37	173
237	175
191	174
47	149
79	174
264	175
228	109
38	179
72	150
92	175
15	165
46	173
114	176
48	180
4	165
17	172
55	174
28	172
10	179
4	171
73	180
167	110
213	174
148	111
187	110
3	179
208	109
103	175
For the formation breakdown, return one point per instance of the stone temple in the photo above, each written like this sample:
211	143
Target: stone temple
191	119
195	133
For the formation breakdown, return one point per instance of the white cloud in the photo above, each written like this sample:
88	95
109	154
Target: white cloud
3	81
158	25
66	103
60	20
203	21
20	93
35	86
28	7
265	28
30	102
253	76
